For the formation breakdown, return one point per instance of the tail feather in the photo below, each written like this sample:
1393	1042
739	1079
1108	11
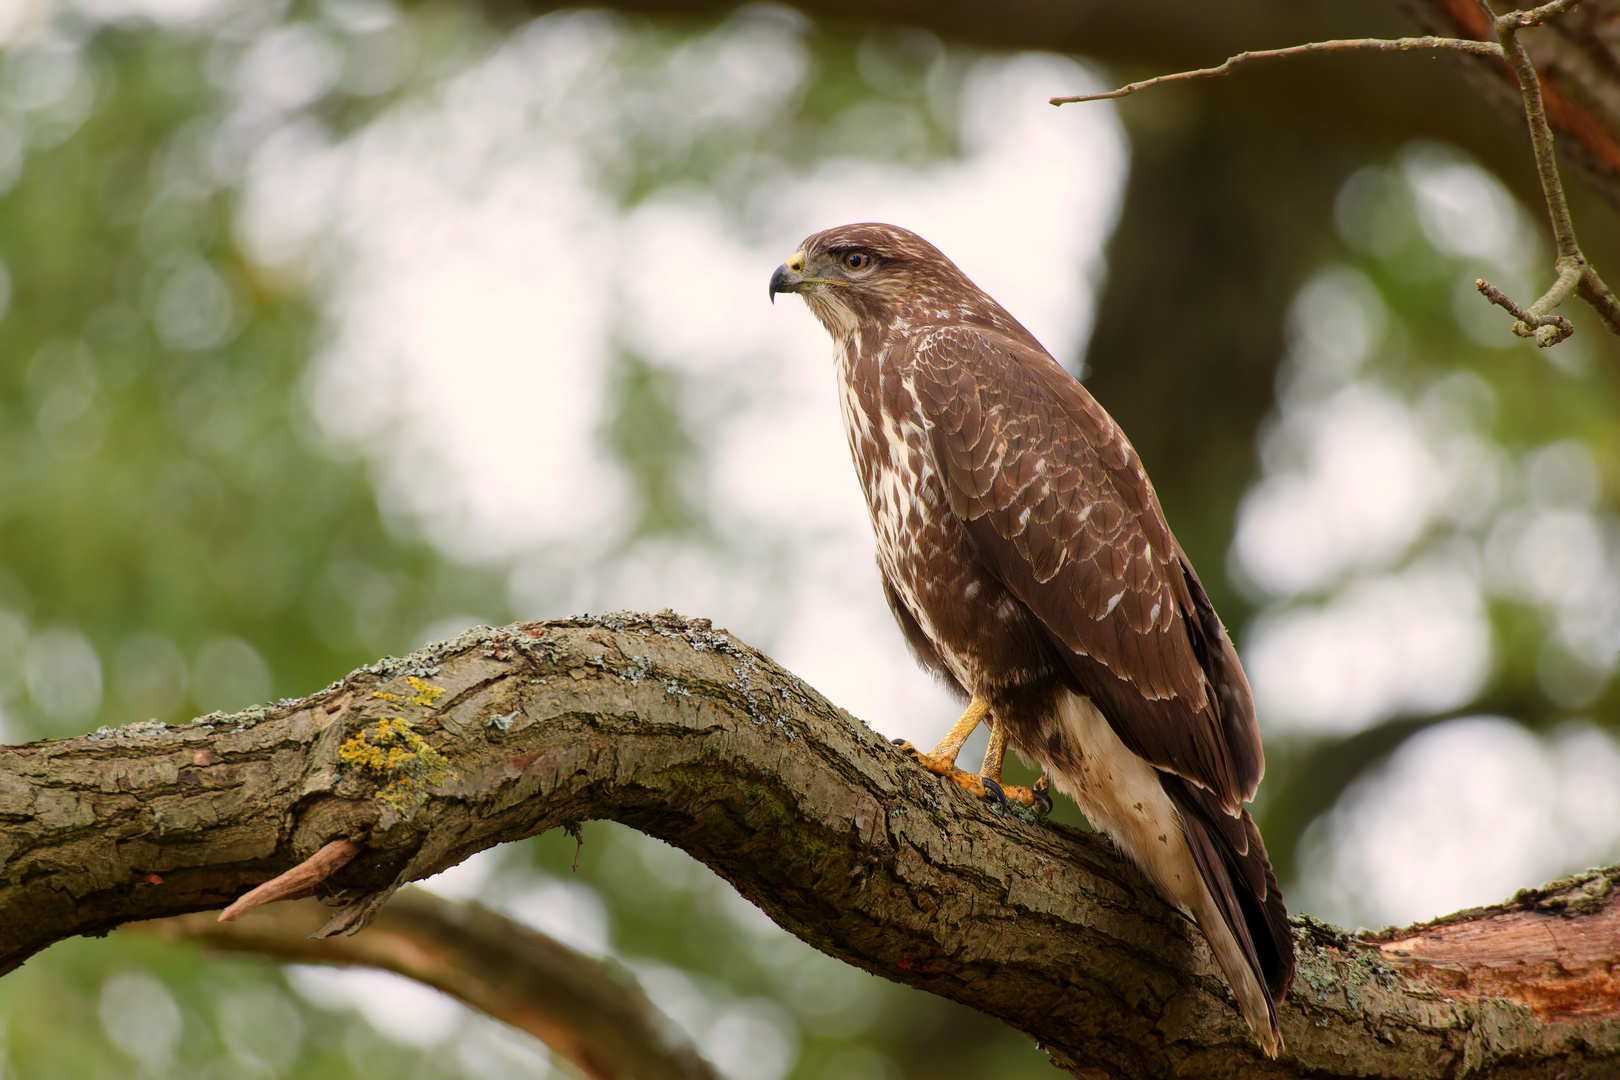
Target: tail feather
1201	857
1248	925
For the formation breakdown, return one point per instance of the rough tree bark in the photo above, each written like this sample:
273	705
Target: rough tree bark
689	735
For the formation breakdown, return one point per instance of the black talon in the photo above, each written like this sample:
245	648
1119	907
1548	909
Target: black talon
993	792
1043	803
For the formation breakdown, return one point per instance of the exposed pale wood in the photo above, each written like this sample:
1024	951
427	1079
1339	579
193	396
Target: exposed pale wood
1564	969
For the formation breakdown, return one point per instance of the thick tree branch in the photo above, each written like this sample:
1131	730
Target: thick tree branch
687	734
584	1012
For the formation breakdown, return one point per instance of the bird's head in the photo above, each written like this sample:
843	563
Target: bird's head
870	275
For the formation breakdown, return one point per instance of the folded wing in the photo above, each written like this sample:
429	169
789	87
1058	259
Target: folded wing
1063	514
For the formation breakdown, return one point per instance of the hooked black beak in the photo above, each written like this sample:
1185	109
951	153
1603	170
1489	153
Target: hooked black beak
784	280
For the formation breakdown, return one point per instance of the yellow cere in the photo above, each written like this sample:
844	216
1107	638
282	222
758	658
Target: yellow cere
399	760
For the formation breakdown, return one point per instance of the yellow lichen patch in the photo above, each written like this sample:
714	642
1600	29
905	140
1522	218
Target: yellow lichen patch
426	693
399	760
384	696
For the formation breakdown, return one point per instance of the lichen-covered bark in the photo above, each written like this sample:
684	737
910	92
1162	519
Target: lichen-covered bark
687	734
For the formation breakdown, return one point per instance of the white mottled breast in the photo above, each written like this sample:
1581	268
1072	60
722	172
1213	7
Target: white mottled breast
917	534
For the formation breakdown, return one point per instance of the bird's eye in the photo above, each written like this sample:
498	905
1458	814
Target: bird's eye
857	260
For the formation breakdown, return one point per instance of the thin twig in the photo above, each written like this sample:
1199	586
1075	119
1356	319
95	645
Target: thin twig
1575	274
1541	135
1546	329
1595	292
298	881
1413	44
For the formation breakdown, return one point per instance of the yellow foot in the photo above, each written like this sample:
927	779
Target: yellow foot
982	787
1035	798
940	765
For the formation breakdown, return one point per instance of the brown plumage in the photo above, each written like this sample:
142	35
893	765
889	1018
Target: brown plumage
1028	562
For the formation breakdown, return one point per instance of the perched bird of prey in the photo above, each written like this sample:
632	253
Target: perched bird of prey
1028	562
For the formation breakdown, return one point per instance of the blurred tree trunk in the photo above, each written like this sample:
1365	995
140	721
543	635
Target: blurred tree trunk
685	733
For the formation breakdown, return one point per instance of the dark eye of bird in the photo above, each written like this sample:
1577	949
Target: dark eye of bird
857	260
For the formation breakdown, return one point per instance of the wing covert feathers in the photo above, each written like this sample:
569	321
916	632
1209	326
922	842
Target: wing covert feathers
1061	511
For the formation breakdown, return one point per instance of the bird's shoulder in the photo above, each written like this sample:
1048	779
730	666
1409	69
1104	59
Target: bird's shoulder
999	399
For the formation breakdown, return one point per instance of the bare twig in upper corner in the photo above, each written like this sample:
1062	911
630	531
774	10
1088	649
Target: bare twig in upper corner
1574	273
1546	329
1412	44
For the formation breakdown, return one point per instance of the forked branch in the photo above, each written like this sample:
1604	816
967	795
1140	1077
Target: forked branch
1573	273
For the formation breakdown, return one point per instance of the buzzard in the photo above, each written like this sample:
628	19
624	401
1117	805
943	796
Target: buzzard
1026	558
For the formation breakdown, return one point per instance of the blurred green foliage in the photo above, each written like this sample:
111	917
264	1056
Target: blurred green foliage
1541	437
162	501
646	434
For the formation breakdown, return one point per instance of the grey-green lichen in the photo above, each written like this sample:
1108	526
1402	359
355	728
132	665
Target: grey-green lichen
139	729
1585	893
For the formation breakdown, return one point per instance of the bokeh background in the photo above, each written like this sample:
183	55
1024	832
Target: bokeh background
330	327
